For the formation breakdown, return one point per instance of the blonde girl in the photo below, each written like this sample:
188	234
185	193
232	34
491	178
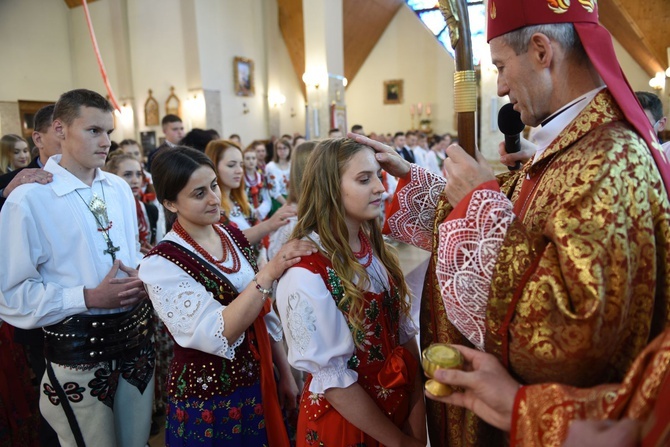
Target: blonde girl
346	311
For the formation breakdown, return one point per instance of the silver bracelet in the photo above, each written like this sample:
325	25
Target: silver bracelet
265	292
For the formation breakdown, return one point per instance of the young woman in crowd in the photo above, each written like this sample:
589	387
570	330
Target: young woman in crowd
235	208
129	169
277	173
254	185
14	153
345	311
204	285
261	155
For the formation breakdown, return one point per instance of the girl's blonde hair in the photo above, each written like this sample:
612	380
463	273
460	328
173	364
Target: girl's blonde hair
215	150
322	211
300	156
7	144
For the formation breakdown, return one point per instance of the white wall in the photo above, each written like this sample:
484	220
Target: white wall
35	50
407	51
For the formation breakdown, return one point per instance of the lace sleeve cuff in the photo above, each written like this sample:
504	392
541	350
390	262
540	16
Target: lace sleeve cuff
227	351
332	377
416	202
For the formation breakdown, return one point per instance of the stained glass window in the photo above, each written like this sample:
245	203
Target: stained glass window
429	13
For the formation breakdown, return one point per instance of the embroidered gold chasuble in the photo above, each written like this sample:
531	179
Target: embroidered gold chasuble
580	283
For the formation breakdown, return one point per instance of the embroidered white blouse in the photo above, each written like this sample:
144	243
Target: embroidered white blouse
277	178
190	312
318	338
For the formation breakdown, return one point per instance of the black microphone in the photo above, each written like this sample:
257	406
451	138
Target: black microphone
509	123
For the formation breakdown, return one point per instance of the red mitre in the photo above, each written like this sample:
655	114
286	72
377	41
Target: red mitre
508	15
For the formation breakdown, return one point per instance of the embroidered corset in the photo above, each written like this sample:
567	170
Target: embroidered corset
385	369
196	374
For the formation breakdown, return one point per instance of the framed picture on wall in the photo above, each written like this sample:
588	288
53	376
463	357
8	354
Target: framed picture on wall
243	76
393	91
338	118
27	111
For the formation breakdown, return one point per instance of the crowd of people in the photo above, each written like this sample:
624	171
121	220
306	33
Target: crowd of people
249	295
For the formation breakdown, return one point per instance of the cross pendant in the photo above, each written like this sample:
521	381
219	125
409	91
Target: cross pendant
111	250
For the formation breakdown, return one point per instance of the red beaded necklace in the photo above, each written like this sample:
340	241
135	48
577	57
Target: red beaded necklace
366	249
225	244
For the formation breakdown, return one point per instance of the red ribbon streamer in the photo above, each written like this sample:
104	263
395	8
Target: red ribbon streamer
101	64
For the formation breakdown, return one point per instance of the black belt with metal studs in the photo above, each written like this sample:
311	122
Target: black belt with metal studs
97	338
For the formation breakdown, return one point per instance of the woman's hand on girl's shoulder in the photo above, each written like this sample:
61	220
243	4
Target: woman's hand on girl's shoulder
289	255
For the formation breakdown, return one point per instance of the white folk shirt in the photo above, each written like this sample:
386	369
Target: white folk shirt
278	178
318	337
191	314
52	250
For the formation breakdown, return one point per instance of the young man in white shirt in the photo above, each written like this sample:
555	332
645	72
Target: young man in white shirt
68	256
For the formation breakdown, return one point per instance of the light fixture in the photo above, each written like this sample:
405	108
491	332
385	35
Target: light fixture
658	81
315	78
276	99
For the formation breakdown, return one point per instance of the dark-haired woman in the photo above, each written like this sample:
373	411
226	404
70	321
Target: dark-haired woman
204	285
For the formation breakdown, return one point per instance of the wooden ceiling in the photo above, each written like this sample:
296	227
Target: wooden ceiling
640	26
74	3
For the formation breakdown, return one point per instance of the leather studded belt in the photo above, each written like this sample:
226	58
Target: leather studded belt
98	338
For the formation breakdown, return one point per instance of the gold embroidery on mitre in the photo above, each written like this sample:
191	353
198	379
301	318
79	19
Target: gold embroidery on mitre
493	12
589	5
558	6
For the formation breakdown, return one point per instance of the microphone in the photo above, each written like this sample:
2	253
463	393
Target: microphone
509	123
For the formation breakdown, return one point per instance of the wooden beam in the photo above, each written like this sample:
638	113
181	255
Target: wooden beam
616	18
364	23
293	31
74	3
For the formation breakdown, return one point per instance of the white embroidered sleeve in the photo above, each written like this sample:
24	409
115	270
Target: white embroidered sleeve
273	324
318	338
417	201
408	327
266	203
467	252
191	314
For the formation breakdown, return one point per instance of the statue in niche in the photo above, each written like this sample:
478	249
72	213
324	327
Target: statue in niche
173	104
151	114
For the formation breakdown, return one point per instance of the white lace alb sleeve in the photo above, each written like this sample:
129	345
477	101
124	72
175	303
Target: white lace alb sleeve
467	252
417	201
192	315
318	338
